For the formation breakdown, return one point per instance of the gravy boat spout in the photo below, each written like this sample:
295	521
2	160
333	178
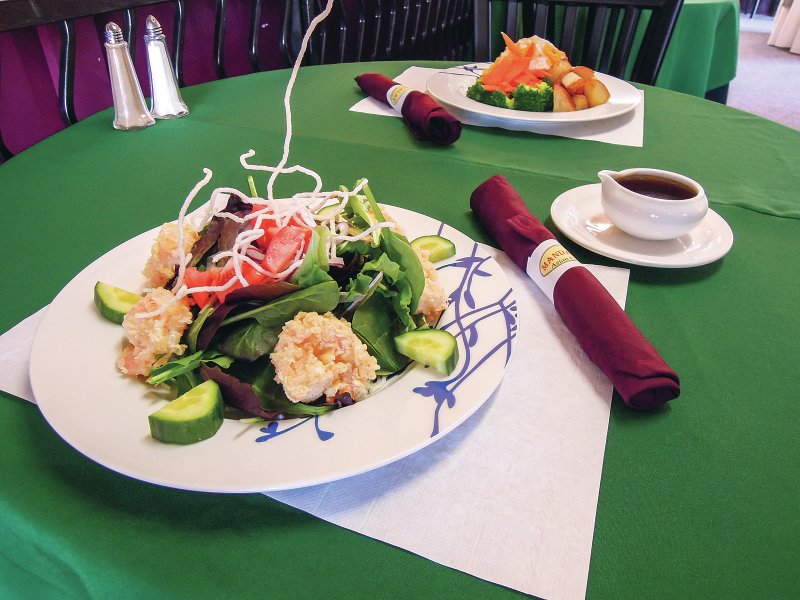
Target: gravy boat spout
608	181
608	176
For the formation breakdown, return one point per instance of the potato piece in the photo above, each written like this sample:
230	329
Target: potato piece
573	83
596	93
562	100
560	69
583	72
581	103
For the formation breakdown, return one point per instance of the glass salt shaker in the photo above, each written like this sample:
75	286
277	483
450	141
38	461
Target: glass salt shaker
130	110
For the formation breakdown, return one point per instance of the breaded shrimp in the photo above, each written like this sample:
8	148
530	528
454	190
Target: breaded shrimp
160	267
153	337
319	355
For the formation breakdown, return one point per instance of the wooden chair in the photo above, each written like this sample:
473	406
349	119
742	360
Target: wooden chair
601	34
24	16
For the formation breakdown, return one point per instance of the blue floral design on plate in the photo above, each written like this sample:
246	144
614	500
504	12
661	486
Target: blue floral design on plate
469	323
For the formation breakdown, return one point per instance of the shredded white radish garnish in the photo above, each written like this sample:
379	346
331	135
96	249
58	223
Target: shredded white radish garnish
302	207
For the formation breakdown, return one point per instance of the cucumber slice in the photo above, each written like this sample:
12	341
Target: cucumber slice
190	418
435	348
438	248
113	302
328	211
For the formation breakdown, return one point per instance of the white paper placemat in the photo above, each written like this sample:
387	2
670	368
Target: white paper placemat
625	130
511	495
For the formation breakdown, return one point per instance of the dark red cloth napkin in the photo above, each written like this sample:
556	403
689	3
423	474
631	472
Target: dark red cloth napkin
423	116
602	328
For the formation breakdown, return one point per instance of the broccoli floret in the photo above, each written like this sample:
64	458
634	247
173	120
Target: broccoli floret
497	98
535	98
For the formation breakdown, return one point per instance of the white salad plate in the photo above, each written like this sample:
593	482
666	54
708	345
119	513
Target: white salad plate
449	87
103	414
579	215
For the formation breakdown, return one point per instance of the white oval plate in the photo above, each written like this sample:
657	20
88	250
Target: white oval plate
579	215
449	87
103	414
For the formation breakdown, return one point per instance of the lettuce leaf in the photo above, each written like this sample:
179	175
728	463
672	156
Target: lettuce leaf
314	268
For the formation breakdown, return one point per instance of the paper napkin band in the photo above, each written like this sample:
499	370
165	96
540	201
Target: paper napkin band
607	335
423	116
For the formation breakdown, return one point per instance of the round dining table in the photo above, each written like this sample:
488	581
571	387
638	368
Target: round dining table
698	499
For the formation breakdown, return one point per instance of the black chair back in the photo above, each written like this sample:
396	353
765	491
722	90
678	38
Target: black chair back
26	14
602	34
367	30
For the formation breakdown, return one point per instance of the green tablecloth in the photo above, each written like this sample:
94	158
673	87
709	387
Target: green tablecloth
698	500
704	47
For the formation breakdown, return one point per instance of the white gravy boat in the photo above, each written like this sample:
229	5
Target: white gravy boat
652	204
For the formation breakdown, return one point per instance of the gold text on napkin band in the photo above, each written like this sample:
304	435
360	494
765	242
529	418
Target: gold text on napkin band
554	257
549	261
396	95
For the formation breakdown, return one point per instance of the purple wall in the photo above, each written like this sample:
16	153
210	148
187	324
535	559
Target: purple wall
29	63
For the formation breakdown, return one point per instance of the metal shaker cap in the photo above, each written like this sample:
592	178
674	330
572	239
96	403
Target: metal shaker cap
152	28
114	33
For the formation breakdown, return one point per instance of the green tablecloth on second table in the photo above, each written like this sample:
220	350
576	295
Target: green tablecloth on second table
698	500
704	48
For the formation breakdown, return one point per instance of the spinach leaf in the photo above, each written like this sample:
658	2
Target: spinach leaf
391	270
360	284
398	290
374	323
360	293
401	298
250	340
321	298
398	249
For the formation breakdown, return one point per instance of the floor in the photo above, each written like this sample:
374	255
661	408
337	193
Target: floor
767	79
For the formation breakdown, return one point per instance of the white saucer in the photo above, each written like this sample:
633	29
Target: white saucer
579	215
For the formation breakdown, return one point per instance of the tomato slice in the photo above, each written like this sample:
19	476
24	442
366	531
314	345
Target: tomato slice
284	246
195	278
271	228
251	276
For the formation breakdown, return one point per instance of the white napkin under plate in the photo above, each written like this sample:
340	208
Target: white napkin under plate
15	354
509	496
623	130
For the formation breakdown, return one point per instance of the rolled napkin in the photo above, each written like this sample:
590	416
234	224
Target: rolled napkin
607	335
423	116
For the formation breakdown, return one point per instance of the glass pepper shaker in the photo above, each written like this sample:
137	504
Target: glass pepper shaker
165	95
